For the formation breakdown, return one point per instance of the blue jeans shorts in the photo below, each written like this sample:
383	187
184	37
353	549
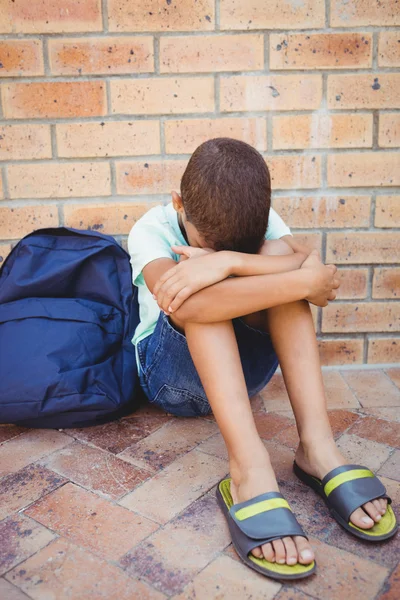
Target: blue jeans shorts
170	380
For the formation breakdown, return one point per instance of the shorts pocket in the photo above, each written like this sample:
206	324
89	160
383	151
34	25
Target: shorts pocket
181	402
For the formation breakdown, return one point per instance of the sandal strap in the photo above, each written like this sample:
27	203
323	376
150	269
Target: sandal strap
265	518
349	487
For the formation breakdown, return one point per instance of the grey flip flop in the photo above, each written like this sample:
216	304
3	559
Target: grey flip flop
262	519
347	488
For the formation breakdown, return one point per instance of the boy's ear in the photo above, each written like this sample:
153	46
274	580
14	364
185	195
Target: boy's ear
176	201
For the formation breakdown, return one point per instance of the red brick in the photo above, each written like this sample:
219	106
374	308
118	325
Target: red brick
25	141
311	240
102	56
383	350
341	351
90	521
185	135
378	430
353	283
363	12
389	130
323	211
373	90
54	99
320	51
64	570
199	54
51	16
96	470
1	186
268	14
17	222
270	92
322	131
387	211
386	283
20	489
157	15
162	96
365	316
20	538
111	138
362	247
155	177
294	171
59	180
389	49
372	387
173	491
21	58
364	169
108	218
29	447
7	432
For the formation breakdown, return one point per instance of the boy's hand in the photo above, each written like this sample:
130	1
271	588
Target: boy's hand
190	252
324	280
190	276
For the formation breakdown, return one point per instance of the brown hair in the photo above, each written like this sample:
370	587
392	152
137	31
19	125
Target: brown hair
226	194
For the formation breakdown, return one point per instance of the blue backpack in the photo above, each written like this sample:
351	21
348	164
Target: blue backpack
68	311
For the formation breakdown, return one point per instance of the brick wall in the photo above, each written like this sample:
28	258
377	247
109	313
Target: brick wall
102	103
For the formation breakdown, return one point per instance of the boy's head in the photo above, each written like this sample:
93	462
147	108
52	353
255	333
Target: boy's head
225	196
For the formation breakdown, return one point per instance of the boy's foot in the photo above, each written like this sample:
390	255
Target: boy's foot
289	550
320	459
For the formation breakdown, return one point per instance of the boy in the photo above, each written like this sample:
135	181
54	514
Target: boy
216	253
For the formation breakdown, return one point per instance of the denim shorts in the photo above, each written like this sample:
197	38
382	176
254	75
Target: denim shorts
170	380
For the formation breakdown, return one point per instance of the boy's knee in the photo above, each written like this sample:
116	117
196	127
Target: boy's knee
275	248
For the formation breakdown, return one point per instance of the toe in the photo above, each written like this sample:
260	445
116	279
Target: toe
291	551
378	506
268	552
372	511
257	552
304	550
383	503
361	519
280	552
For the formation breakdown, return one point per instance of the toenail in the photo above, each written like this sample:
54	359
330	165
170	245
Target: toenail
378	517
306	554
281	561
367	520
292	561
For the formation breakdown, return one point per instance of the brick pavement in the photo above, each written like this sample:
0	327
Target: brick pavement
128	509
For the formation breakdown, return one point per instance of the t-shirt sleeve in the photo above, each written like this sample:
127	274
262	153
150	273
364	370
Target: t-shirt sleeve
276	226
146	243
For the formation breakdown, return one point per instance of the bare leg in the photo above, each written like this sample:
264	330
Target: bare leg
293	336
249	462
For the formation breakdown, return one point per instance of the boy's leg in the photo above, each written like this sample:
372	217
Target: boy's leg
293	336
249	462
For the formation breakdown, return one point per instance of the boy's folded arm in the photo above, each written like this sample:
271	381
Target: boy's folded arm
259	264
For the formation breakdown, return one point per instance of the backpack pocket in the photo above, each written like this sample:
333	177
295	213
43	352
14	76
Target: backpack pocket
57	355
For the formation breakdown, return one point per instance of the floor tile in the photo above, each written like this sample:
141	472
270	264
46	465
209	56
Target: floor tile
29	447
96	470
20	537
338	393
372	387
309	508
274	395
394	375
215	446
63	570
391	468
364	452
178	485
20	489
174	554
378	430
91	521
118	435
270	424
8	591
162	447
289	593
7	432
390	413
341	575
391	589
282	461
225	578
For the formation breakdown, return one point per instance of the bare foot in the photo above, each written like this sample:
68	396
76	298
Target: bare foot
289	550
322	458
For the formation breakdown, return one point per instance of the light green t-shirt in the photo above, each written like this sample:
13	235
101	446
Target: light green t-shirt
150	238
